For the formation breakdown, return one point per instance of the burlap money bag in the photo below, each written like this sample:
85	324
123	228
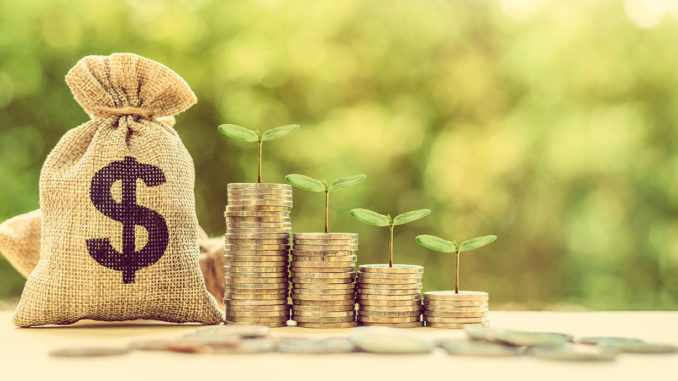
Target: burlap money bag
119	231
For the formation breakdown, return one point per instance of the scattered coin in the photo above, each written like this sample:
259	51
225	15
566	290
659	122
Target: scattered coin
390	340
530	339
323	346
89	352
475	348
573	352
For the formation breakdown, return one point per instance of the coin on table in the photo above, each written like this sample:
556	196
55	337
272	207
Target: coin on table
305	275
89	352
445	308
451	295
263	314
456	320
325	286
379	268
319	262
296	279
371	286
315	313
323	243
456	314
257	319
362	280
389	276
262	264
257	235
254	302
307	291
259	225
350	324
324	308
325	248
271	255
475	348
255	208
412	308
363	291
259	186
236	221
257	269
237	276
367	298
413	324
323	346
339	304
257	286
319	297
385	319
385	303
456	325
250	296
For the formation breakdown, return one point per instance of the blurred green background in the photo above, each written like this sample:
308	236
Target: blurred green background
552	124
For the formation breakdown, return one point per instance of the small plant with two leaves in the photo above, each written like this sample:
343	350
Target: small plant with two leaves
254	136
444	246
313	185
376	219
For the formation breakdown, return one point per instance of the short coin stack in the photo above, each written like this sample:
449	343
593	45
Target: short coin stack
323	279
390	296
447	309
258	231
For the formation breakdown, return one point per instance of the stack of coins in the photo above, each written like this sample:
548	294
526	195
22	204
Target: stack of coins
390	296
323	279
258	231
447	309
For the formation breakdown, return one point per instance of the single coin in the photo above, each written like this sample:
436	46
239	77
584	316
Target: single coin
456	325
456	320
279	307
253	320
327	297
265	233
270	325
327	325
389	276
325	248
322	243
306	319
320	263
453	308
451	295
456	314
235	276
480	349
254	302
341	270
232	214
315	313
413	324
372	286
256	235
234	242
386	303
384	319
262	264
323	346
257	291
363	291
379	268
324	308
339	304
573	352
259	186
231	248
149	345
364	312
371	297
250	296
251	269
310	291
326	236
412	308
324	286
259	202
243	314
316	275
260	225
262	192
389	281
318	282
236	209
237	221
272	255
89	352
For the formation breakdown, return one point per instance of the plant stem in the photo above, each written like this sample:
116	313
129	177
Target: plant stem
456	279
327	211
261	144
390	247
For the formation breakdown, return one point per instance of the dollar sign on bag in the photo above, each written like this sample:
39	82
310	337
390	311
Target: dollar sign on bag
129	214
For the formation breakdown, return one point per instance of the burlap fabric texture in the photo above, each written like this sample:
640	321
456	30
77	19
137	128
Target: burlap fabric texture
119	232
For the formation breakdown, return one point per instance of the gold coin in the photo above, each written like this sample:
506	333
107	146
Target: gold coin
242	241
451	304
412	308
319	281
259	225
327	325
270	325
326	286
262	265
243	314
325	248
323	308
243	260
317	291
258	233
237	221
319	262
455	320
389	313
379	268
257	269
237	275
240	210
368	297
362	280
389	276
385	319
296	269
259	185
312	319
453	310
451	295
323	243
456	325
241	192
234	214
362	291
230	279
344	275
326	236
269	253
238	202
244	308
256	320
254	302
328	297
378	287
365	303
413	324
456	314
250	296
266	247
319	314
340	304
257	236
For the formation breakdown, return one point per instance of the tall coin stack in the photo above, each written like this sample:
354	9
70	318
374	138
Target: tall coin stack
390	296
323	279
258	231
447	309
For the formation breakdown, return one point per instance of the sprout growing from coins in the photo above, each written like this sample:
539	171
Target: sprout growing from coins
313	185
373	218
246	135
444	246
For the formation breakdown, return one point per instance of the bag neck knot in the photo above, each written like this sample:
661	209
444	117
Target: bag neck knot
105	112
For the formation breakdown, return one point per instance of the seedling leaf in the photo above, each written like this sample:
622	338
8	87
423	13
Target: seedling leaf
344	182
306	183
279	132
369	217
411	216
239	133
477	242
436	243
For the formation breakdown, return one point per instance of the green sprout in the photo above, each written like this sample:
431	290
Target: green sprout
444	246
246	135
373	218
313	185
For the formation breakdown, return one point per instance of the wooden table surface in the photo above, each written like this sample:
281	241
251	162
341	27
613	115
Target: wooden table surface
24	354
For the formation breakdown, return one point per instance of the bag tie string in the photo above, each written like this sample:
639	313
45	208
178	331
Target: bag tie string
105	112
